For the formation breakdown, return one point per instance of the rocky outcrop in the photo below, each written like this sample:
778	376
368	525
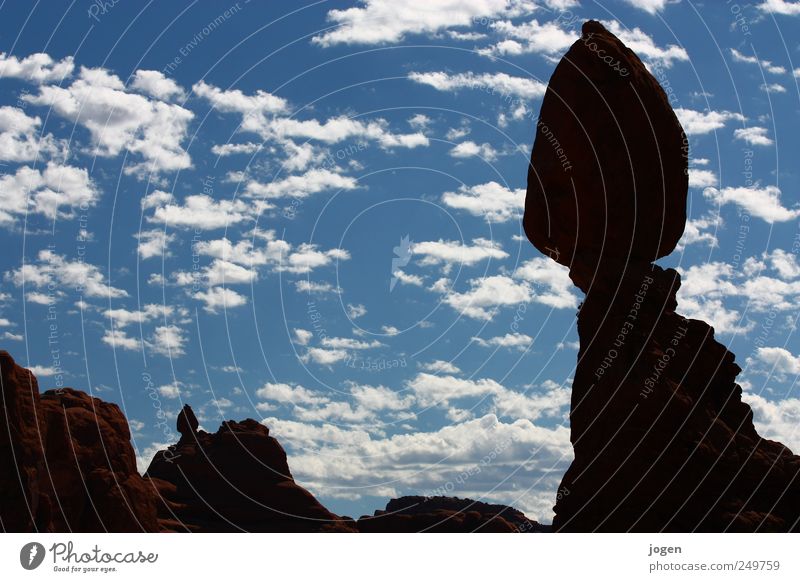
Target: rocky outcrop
608	177
447	515
662	439
66	462
236	479
67	465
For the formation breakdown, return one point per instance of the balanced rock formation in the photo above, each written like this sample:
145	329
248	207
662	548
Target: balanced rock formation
608	177
447	515
236	479
662	439
66	462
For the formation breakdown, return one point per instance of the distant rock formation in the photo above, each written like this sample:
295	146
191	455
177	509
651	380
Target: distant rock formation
236	479
662	439
447	515
67	465
66	462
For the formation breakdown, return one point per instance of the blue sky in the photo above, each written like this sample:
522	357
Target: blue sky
310	215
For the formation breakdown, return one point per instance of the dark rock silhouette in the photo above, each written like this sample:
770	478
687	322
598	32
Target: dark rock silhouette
236	479
66	462
662	439
67	465
608	176
447	515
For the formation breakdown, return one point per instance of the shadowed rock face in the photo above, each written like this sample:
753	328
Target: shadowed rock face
662	439
609	171
66	462
236	479
67	465
413	514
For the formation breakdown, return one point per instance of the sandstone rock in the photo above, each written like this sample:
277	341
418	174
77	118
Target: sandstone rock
236	479
608	177
68	464
447	515
662	439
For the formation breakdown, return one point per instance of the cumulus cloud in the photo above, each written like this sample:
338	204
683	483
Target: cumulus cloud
500	83
516	340
20	139
52	270
784	7
753	136
491	200
764	203
54	192
451	253
389	21
487	294
37	68
302	186
700	122
470	149
202	212
764	64
551	283
643	45
547	38
119	120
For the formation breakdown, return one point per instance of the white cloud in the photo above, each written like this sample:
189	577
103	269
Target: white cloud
441	367
52	270
408	279
155	84
644	45
44	370
515	340
700	230
764	64
501	83
551	283
780	360
337	129
469	149
314	287
302	186
153	243
649	6
356	311
519	454
171	391
449	253
547	38
168	340
784	7
389	21
773	88
753	136
302	336
230	149
702	178
20	139
344	343
491	200
764	203
53	193
290	394
487	294
216	298
38	67
202	212
699	122
251	107
776	420
419	121
323	356
118	120
784	263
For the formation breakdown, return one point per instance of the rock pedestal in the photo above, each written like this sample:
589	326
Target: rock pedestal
662	439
